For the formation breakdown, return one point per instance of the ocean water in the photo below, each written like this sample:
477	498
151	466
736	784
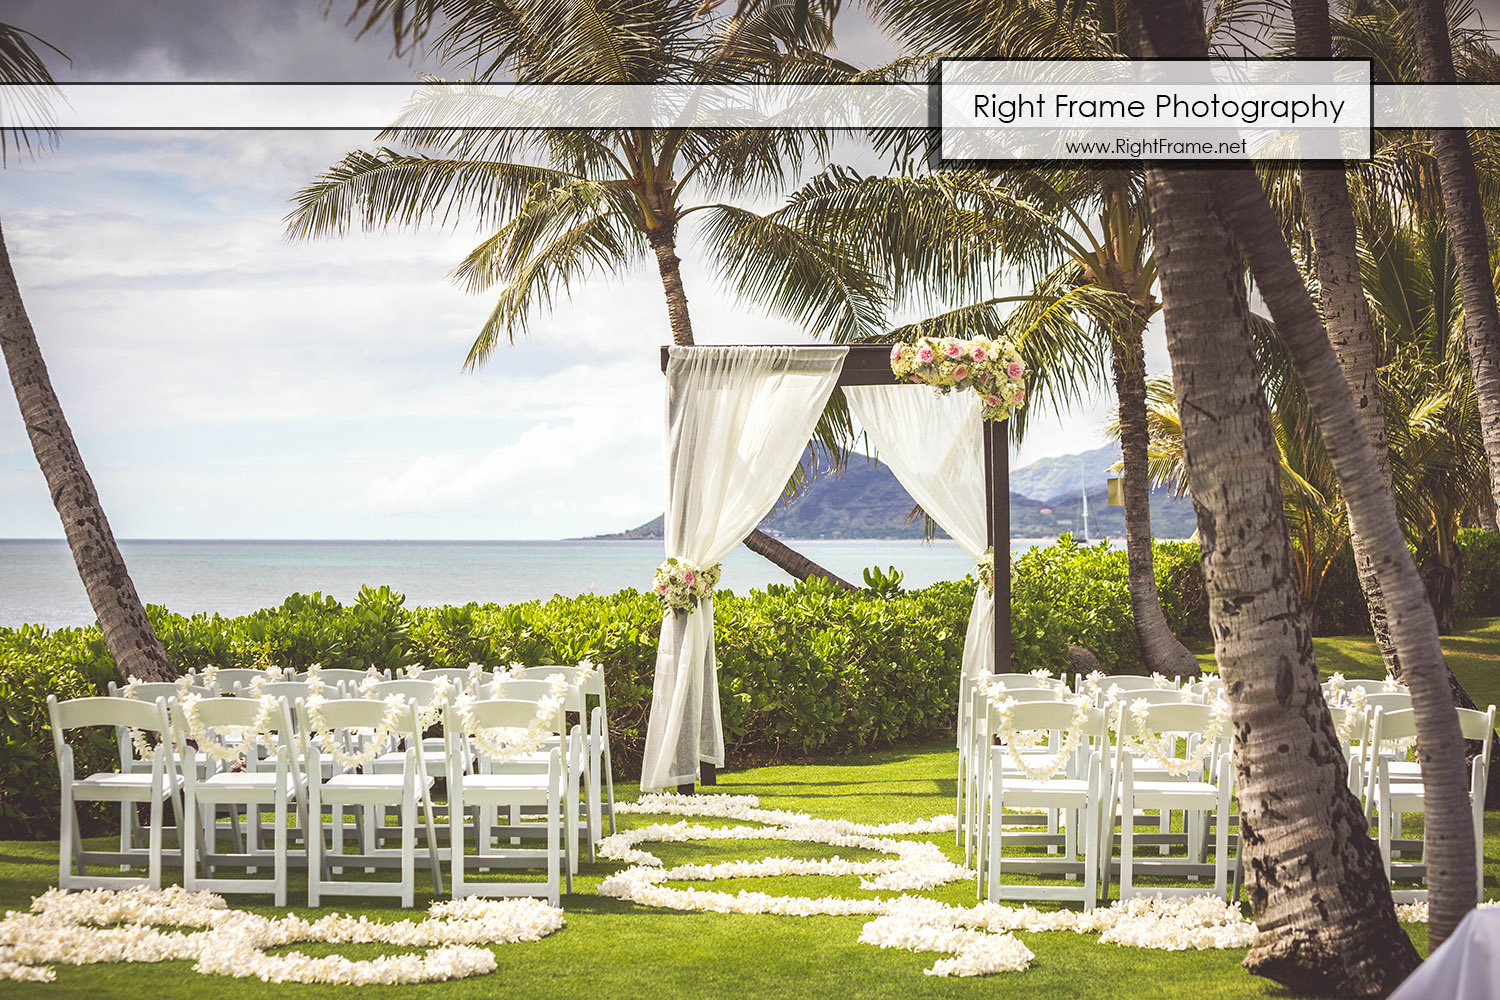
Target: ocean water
39	583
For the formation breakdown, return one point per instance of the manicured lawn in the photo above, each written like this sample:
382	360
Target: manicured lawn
615	949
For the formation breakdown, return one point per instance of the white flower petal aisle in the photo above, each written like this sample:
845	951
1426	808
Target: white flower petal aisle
102	926
979	937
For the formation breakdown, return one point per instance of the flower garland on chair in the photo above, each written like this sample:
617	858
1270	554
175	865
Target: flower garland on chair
681	585
145	750
323	734
1178	767
1014	739
257	733
992	368
506	743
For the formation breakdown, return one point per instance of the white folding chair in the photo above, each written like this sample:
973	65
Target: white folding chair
1396	787
575	760
141	722
1198	782
973	737
599	771
260	732
228	677
354	731
1070	778
484	726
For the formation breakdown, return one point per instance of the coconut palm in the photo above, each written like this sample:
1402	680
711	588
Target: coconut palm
562	204
1449	843
127	630
1315	881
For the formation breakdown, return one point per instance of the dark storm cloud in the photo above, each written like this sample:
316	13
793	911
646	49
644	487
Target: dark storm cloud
226	40
252	40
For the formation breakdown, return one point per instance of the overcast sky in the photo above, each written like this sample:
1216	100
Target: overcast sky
224	383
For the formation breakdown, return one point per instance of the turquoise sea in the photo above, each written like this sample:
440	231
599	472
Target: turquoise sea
39	584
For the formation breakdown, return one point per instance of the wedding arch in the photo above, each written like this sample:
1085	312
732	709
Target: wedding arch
737	421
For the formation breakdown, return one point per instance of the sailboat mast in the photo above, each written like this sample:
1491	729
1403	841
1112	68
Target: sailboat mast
1083	493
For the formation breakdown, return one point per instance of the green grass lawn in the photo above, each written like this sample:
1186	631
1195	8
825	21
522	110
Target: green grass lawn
615	949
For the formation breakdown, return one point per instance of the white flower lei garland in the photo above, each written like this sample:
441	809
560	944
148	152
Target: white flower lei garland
1178	767
980	935
1016	741
323	735
144	749
256	733
104	926
503	744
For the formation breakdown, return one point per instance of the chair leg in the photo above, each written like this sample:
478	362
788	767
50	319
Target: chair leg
1221	845
456	835
408	850
190	829
316	872
67	846
1127	841
153	841
1091	854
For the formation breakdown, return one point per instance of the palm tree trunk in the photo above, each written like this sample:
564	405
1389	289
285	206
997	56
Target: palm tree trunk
1449	840
1160	650
664	243
1330	220
1315	878
127	631
1471	248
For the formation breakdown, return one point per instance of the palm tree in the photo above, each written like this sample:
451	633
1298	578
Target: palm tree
127	630
1465	214
1330	224
1315	880
564	204
1449	844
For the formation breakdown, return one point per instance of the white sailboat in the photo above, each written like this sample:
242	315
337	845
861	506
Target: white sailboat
1083	494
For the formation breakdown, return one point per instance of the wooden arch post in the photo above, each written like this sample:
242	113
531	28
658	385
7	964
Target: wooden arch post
870	364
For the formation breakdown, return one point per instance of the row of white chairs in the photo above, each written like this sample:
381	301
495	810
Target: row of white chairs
1103	766
187	749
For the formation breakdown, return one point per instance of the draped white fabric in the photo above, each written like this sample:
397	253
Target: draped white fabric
934	443
738	419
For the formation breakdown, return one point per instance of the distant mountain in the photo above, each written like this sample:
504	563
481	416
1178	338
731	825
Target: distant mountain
868	502
1047	477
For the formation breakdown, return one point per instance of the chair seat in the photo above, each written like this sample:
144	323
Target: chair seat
112	786
357	789
243	786
1051	792
1175	789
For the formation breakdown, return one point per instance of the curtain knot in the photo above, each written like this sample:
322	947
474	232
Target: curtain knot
680	585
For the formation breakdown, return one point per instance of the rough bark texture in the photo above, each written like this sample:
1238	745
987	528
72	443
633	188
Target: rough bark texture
1314	876
1330	221
1471	247
1449	837
1160	650
127	631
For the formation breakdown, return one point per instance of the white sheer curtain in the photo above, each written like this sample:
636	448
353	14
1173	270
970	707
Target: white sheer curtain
934	443
738	419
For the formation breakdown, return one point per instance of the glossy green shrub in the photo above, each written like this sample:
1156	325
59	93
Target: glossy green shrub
33	664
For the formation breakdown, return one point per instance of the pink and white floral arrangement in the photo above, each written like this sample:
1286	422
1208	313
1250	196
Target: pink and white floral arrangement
992	368
680	585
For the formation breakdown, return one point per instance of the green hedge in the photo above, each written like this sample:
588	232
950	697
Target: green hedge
802	670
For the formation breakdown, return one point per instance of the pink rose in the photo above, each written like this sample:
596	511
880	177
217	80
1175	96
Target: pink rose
953	350
916	378
977	353
924	354
960	373
992	401
1014	369
896	353
662	589
1018	397
687	577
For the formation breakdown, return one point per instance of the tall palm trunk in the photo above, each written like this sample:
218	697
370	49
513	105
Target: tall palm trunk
1315	879
663	243
1471	248
1330	219
1160	650
127	631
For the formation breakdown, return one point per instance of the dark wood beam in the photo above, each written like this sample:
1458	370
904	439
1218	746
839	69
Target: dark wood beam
866	364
